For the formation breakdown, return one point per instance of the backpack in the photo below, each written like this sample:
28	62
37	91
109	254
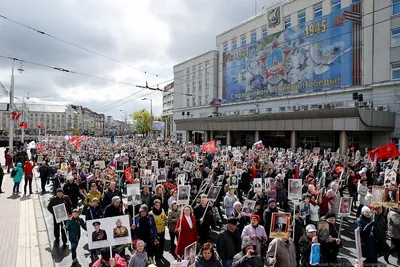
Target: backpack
13	173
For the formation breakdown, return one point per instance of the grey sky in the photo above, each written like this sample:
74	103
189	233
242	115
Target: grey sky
150	35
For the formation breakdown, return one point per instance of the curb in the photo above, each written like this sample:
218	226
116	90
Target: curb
46	258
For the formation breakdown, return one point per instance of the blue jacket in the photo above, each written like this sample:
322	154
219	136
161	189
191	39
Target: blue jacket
74	228
153	228
20	172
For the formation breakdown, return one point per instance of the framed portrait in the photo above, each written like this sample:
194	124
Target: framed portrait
133	194
220	180
357	238
304	208
190	254
248	207
183	195
323	230
197	174
60	213
120	166
391	197
295	189
280	223
154	163
257	183
187	166
345	206
213	193
377	195
181	179
233	181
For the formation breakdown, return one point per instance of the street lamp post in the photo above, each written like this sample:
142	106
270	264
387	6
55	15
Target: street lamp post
11	130
125	123
151	113
23	116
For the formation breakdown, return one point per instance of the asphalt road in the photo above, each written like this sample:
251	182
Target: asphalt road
62	257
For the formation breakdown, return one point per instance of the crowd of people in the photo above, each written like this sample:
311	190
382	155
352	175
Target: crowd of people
245	238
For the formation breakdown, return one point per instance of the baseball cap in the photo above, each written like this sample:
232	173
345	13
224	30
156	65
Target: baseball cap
311	228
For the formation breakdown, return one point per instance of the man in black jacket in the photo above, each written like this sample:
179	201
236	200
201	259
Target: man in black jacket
248	256
204	219
229	242
110	193
44	173
58	199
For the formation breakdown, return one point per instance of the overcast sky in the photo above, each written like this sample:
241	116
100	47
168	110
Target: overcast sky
150	35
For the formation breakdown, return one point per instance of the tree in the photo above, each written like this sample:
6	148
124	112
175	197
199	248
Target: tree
142	120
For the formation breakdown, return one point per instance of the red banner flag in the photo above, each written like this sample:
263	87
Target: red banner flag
25	125
210	147
38	126
128	175
384	152
21	125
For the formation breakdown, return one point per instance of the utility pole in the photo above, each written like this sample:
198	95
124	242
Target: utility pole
12	109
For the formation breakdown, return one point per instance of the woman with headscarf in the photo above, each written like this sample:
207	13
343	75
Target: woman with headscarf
365	223
208	257
229	199
257	233
238	215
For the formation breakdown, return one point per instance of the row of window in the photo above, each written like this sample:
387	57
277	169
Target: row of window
199	103
335	5
200	70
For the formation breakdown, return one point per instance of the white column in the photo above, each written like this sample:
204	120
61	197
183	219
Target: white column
293	140
256	136
343	142
228	138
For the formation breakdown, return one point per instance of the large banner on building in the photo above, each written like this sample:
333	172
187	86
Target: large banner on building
311	57
158	126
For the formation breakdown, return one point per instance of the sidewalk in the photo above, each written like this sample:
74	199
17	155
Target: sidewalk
23	233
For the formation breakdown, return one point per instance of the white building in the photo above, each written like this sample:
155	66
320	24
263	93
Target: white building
168	106
195	85
282	85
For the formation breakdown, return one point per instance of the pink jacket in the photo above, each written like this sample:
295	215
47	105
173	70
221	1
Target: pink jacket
119	262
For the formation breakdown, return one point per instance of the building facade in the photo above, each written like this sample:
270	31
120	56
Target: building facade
306	73
195	85
168	106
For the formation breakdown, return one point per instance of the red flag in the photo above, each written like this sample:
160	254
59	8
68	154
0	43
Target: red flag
73	139
77	144
18	116
83	138
21	125
209	147
25	125
384	152
128	175
339	169
38	126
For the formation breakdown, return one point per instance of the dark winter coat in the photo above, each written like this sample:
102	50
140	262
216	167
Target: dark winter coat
241	260
305	250
54	201
215	261
73	227
228	244
367	238
112	211
72	191
267	218
108	195
94	213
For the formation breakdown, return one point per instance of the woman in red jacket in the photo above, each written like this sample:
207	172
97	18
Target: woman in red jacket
186	230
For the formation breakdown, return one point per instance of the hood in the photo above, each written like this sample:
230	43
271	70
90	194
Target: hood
19	164
202	262
247	241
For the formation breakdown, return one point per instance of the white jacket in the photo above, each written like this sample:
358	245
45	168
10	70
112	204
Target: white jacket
314	213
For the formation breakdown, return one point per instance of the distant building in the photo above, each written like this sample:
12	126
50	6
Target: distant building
167	110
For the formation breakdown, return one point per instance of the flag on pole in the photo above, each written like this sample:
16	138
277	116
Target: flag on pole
384	152
210	147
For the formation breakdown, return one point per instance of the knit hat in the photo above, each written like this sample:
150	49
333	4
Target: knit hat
271	200
144	208
255	216
330	215
116	198
365	209
60	190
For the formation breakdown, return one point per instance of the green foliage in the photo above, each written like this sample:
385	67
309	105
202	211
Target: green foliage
142	121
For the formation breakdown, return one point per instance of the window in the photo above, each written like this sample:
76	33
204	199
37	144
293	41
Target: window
193	101
207	64
200	101
336	5
199	85
396	71
288	23
302	17
396	7
253	36
355	1
207	99
187	102
187	88
225	47
317	11
243	38
264	32
234	44
206	83
179	137
396	37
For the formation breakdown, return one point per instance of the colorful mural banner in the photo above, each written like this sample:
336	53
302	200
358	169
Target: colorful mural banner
158	126
311	57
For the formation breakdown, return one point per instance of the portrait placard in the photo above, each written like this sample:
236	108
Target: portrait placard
248	207
183	195
280	223
345	206
377	195
295	189
133	194
190	254
60	213
213	193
